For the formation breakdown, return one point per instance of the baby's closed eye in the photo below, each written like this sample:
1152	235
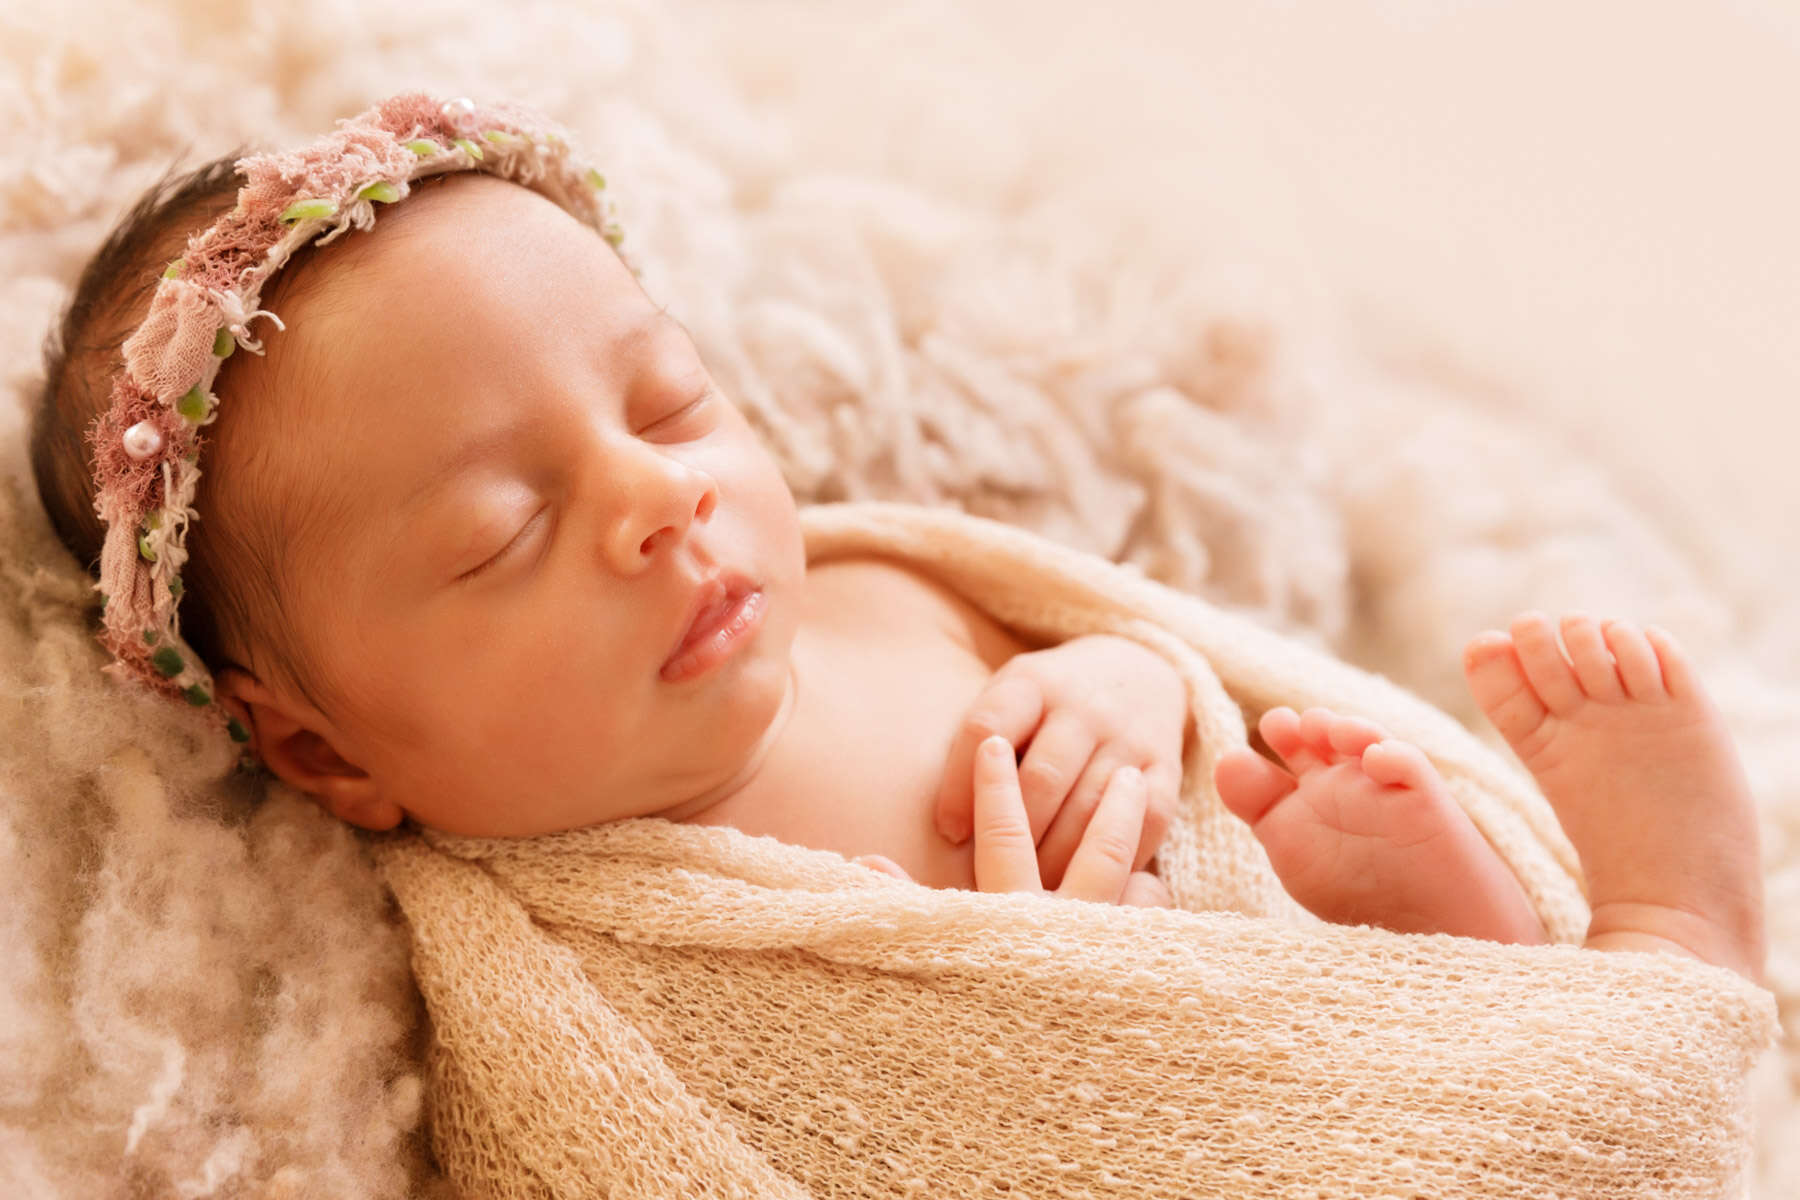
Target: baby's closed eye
692	414
518	542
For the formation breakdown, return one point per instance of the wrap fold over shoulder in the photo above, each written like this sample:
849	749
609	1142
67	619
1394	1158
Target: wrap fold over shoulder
654	1009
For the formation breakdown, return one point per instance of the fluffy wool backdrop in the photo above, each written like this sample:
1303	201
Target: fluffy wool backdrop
943	299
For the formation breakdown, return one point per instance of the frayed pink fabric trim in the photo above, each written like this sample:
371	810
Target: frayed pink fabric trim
202	311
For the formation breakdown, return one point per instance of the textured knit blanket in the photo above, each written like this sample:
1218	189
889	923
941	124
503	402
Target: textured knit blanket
655	1009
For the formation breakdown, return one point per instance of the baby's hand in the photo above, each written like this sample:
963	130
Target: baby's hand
1100	870
1087	707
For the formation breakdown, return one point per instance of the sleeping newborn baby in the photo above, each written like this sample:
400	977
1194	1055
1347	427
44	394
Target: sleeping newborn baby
487	549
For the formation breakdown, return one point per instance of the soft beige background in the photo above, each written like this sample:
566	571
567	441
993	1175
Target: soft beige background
1590	206
1601	196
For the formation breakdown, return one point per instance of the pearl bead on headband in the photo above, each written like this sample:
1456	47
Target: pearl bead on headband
146	447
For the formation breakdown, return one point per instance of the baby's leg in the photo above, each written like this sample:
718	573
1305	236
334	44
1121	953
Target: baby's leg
1642	771
1364	831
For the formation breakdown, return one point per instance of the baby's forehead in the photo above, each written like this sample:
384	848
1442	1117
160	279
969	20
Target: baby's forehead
460	290
475	267
474	239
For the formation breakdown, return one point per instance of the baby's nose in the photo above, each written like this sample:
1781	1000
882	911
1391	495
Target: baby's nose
659	506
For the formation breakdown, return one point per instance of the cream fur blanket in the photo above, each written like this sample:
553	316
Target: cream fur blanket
648	1009
205	989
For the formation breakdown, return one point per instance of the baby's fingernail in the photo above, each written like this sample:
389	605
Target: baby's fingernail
995	746
953	832
877	862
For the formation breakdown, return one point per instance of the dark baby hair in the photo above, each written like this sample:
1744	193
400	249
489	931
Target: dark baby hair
235	579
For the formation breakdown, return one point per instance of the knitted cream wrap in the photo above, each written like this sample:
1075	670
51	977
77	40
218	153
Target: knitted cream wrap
651	1009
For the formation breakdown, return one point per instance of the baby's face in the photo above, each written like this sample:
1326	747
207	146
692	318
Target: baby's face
541	474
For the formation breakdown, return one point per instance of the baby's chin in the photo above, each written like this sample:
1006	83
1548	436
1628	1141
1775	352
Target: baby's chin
771	697
768	719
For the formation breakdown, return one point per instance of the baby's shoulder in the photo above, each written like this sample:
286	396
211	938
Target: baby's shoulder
889	586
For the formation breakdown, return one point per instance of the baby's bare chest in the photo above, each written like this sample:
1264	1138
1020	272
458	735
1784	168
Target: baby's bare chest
859	770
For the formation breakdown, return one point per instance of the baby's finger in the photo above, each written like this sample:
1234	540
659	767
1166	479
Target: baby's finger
1102	863
1011	708
1052	770
1005	855
1144	890
883	864
1056	845
1163	779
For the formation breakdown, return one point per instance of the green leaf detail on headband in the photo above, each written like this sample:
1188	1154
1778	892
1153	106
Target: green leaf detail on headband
196	695
223	343
144	550
238	732
104	601
175	586
167	662
380	190
423	147
153	519
307	210
193	405
596	180
174	268
469	148
149	637
499	137
613	235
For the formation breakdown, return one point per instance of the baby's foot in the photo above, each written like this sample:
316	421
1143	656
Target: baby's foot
1365	832
1642	771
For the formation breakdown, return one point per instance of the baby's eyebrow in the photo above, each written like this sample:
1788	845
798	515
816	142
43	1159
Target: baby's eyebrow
494	439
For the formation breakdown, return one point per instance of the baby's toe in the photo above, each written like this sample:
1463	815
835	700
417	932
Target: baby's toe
1249	784
1638	668
1549	674
1593	662
1315	731
1395	763
1350	736
1678	672
1281	729
1498	683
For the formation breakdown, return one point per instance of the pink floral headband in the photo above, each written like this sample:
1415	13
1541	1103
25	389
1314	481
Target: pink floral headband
146	448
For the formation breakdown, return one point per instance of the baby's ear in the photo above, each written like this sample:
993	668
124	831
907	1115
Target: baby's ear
293	743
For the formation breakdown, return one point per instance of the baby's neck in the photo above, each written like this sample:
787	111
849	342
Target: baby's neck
828	621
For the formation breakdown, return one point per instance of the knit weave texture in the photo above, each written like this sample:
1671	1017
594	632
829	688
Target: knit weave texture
650	1009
